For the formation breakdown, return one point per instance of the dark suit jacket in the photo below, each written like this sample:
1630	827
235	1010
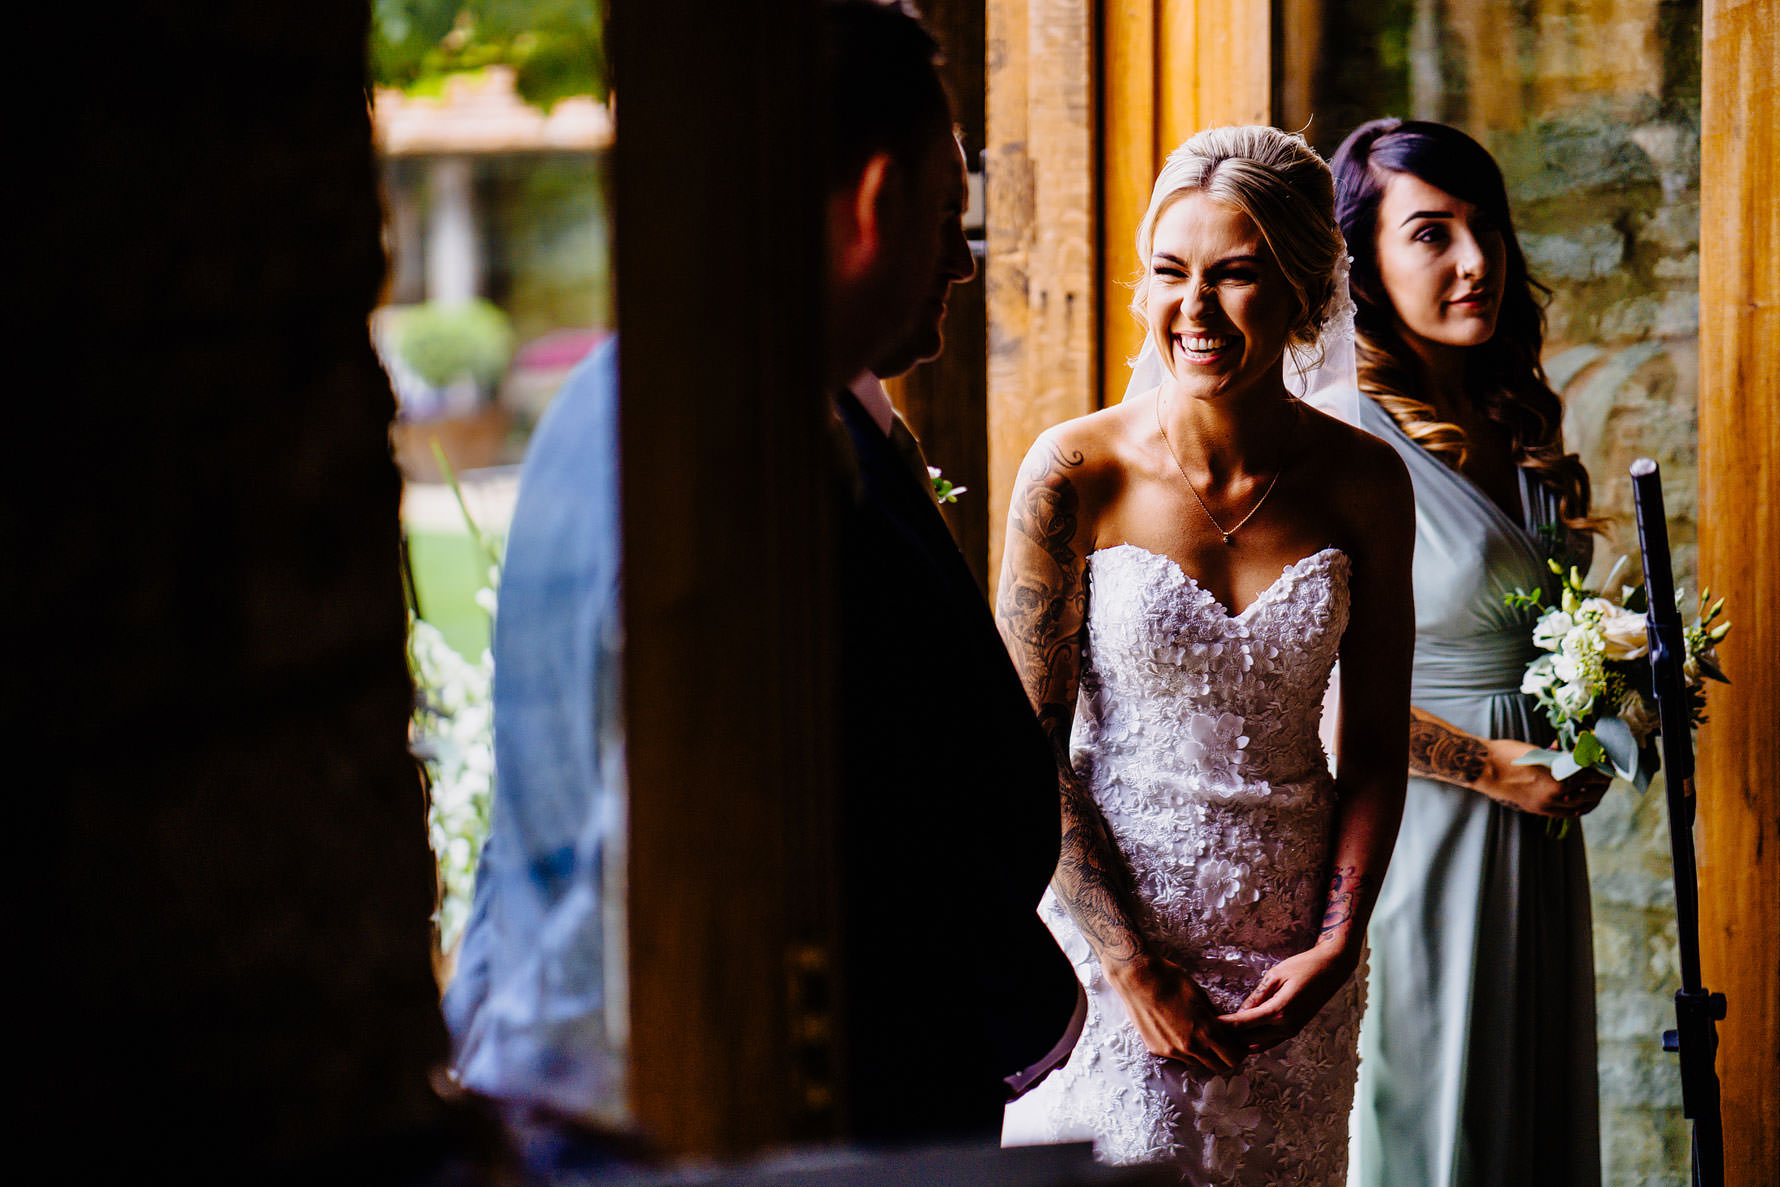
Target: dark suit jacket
951	819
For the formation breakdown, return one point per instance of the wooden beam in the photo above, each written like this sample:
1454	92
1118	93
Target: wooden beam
729	617
1298	62
1043	281
1739	761
1131	153
1168	69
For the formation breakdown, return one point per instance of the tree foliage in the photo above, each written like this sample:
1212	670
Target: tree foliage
555	47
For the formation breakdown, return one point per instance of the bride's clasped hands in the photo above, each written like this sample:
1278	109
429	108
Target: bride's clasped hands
1173	1014
1178	1021
1289	996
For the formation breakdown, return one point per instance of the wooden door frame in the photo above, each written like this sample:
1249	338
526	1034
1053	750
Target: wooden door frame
729	593
1085	102
1738	780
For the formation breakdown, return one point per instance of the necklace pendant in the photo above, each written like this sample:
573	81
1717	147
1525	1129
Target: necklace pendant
1229	539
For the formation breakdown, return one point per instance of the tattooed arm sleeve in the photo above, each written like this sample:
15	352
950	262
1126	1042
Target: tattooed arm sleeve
1376	653
1041	610
1438	750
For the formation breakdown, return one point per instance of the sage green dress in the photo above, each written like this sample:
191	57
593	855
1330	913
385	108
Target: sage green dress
1477	1052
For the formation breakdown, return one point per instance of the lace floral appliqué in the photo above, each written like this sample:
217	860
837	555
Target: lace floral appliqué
1197	733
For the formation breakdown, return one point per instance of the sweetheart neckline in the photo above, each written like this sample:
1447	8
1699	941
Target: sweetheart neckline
1290	567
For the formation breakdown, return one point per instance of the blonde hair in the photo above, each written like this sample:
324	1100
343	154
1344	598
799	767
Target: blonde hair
1279	182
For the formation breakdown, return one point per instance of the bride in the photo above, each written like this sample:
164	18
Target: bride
1181	572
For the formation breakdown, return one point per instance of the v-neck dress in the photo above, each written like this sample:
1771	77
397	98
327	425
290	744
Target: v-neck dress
1477	1053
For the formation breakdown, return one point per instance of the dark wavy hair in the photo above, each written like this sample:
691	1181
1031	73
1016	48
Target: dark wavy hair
1504	378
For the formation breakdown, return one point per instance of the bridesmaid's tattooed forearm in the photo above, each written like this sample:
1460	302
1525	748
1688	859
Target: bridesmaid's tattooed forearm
1438	751
1344	897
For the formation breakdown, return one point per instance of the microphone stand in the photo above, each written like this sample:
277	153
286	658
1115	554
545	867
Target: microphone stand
1697	1011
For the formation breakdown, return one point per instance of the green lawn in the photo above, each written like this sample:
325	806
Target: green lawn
448	570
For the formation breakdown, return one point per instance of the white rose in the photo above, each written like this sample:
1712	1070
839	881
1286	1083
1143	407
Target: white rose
1573	699
1623	635
1539	676
1550	630
1581	640
1598	607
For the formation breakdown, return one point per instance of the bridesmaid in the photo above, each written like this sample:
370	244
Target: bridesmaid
1478	1047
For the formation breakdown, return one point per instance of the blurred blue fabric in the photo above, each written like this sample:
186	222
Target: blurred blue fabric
528	1008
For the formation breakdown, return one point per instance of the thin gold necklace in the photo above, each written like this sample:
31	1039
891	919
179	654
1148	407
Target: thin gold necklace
1229	534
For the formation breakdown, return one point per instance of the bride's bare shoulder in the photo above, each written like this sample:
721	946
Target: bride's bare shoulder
1352	459
1362	482
1090	452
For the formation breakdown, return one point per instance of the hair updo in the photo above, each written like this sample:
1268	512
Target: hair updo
1278	181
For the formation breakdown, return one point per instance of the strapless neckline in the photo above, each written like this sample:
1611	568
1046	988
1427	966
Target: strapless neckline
1195	735
1290	570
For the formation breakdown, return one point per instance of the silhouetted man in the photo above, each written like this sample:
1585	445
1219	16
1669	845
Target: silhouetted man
957	996
956	993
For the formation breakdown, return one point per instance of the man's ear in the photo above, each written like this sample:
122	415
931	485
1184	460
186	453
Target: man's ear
860	214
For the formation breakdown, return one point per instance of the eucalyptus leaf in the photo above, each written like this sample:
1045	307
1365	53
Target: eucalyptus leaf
1619	744
1563	766
1588	751
1538	758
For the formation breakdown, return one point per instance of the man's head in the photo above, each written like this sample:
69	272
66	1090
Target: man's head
895	184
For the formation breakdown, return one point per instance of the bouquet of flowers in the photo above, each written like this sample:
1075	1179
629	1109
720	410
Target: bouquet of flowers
1594	680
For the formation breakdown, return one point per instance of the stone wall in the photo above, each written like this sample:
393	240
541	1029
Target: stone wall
1592	108
1615	232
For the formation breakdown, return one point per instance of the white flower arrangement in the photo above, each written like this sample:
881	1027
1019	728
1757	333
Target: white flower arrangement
452	734
1594	680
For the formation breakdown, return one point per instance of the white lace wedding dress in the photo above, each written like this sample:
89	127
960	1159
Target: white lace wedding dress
1196	731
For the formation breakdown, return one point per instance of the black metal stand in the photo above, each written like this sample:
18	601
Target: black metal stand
1697	1010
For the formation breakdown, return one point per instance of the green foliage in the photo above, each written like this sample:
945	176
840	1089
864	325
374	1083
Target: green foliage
1520	599
556	47
449	569
443	343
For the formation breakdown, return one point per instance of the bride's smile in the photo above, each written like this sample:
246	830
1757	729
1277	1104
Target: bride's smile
1204	349
1218	306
